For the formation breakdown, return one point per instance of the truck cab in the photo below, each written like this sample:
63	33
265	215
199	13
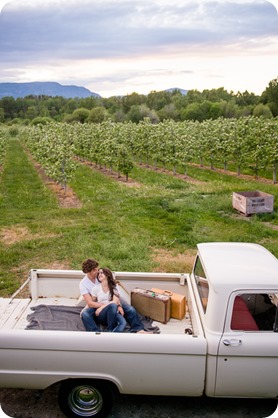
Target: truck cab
236	287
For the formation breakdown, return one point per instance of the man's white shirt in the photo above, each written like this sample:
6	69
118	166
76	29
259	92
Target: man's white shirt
86	285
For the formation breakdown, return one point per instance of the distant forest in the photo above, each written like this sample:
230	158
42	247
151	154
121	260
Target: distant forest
156	106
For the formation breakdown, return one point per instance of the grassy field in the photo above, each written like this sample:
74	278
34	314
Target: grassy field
152	223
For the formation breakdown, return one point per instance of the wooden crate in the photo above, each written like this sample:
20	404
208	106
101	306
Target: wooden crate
249	203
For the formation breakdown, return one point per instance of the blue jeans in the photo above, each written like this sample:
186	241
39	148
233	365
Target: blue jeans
88	318
111	318
132	318
90	321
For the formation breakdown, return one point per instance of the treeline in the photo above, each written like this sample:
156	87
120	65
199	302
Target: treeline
156	106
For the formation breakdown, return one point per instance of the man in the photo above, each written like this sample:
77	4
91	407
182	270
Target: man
90	268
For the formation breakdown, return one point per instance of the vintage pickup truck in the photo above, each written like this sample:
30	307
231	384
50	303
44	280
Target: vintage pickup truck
229	349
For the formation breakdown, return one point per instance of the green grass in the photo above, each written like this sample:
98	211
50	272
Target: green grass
20	186
118	225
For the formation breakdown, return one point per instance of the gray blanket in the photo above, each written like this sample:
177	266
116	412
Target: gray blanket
67	318
52	317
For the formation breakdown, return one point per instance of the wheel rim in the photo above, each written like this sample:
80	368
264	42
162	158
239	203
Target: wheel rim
85	401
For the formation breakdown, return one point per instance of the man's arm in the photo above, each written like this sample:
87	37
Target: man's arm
91	301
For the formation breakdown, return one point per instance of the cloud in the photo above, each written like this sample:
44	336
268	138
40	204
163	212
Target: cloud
49	3
98	29
122	42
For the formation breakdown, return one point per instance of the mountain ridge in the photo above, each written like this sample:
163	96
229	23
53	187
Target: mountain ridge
183	92
46	88
53	89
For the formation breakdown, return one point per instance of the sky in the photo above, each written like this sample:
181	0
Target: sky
117	47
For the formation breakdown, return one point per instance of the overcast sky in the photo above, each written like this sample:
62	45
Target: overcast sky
116	47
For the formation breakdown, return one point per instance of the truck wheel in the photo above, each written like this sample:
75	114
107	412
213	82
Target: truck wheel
85	398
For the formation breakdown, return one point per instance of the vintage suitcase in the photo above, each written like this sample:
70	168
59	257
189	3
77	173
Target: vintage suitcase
151	304
178	303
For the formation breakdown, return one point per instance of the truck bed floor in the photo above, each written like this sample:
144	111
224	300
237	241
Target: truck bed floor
14	312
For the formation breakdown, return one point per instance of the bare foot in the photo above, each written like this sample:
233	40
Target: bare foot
144	332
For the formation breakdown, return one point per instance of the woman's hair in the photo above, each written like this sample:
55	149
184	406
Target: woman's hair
89	265
111	282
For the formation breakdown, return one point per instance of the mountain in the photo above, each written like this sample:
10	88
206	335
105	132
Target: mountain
183	92
38	88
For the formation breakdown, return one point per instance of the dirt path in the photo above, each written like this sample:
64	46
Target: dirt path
66	197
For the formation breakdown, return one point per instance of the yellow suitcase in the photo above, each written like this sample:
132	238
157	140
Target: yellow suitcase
178	303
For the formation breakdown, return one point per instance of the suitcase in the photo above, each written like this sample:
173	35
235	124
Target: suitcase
151	304
178	303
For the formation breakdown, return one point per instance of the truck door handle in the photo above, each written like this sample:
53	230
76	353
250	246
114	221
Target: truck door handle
233	342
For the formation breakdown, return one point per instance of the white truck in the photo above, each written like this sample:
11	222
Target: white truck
230	350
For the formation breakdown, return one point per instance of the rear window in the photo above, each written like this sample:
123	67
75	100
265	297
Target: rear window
201	282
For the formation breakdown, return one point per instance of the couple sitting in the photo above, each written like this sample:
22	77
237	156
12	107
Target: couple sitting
100	292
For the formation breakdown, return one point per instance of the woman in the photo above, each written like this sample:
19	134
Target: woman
111	312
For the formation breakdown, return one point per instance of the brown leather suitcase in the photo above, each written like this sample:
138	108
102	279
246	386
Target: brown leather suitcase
151	304
178	303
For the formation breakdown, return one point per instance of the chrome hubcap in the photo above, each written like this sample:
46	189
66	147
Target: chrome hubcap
85	401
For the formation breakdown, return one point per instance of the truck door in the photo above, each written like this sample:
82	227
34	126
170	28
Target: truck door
247	363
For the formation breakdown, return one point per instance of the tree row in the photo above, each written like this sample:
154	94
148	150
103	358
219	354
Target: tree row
247	143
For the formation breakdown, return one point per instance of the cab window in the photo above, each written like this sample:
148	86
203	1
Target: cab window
254	312
201	282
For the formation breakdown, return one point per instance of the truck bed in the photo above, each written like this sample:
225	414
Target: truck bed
46	288
39	357
14	312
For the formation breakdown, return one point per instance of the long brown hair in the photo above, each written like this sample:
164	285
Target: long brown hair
111	282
